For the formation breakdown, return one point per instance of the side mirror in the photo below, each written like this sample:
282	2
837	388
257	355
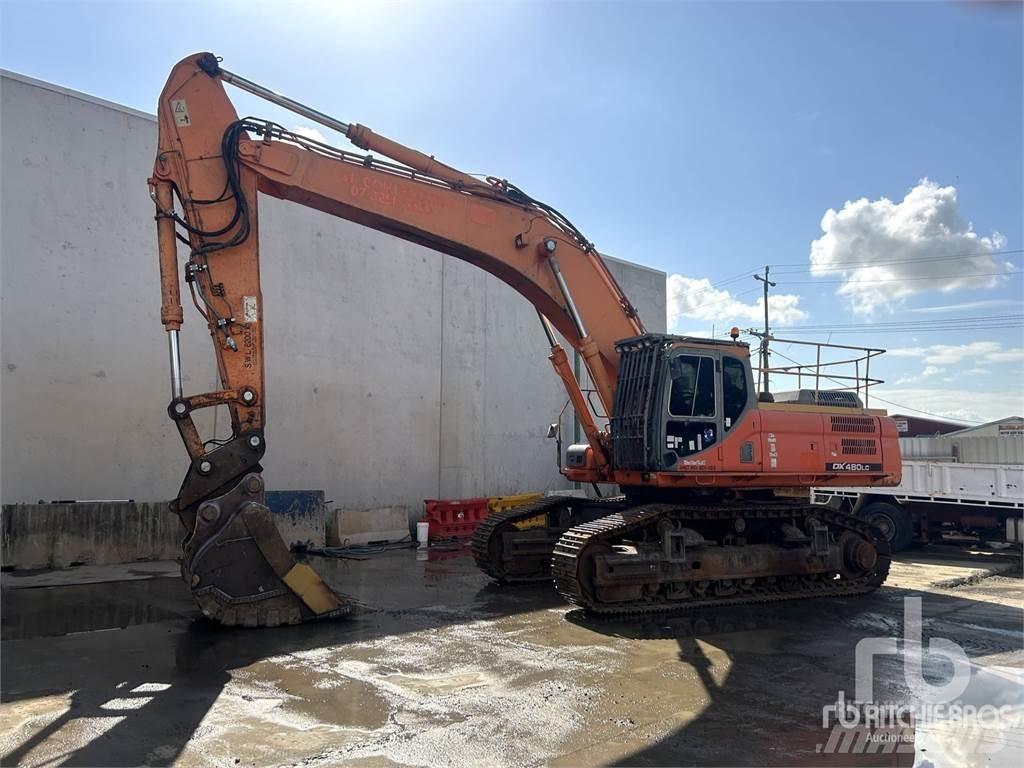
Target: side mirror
552	431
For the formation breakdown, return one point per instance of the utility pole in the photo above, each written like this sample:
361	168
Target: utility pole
764	339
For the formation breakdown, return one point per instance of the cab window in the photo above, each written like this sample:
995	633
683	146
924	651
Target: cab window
693	386
734	390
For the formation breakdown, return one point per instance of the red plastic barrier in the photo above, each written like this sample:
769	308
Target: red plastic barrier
454	519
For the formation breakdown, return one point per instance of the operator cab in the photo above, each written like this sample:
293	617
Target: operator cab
677	396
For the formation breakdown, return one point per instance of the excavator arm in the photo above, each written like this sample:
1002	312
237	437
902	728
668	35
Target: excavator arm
209	169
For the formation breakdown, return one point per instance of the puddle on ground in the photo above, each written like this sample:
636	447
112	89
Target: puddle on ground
324	697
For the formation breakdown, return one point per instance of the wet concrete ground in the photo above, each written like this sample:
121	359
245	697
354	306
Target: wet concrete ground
445	669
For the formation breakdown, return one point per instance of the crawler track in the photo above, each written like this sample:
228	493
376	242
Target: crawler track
487	540
575	544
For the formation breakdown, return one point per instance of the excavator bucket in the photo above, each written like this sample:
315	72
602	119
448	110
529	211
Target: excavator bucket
239	568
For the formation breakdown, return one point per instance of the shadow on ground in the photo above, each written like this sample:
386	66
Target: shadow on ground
782	670
135	652
139	652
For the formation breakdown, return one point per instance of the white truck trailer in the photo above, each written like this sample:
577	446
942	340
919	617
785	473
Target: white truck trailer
969	485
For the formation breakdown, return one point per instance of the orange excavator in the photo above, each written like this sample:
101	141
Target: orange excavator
713	476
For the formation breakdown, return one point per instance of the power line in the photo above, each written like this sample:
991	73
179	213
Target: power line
799	332
835	283
739	276
975	321
902	323
718	286
904	279
940	329
982	323
926	413
868	263
716	301
854	264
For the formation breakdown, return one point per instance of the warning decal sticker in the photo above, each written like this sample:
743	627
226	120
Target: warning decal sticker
249	311
180	110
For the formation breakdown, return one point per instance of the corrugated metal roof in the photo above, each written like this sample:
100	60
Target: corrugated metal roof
979	427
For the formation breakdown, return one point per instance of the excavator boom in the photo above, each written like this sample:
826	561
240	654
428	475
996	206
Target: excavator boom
210	166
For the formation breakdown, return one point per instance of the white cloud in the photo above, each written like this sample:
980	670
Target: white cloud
928	372
984	303
697	300
976	354
860	243
950	354
310	133
1006	356
957	404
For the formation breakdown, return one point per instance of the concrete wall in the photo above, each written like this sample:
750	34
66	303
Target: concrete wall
107	532
394	373
61	535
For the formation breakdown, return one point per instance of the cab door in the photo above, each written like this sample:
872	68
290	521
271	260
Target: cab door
692	410
741	450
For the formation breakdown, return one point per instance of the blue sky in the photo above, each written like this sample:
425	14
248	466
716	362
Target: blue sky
702	139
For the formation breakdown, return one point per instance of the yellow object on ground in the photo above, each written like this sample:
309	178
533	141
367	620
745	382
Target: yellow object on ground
501	503
307	584
537	521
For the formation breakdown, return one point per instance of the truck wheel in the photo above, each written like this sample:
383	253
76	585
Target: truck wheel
894	522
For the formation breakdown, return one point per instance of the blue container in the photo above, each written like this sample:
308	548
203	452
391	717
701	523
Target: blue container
301	517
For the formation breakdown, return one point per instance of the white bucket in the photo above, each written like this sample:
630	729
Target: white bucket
422	532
